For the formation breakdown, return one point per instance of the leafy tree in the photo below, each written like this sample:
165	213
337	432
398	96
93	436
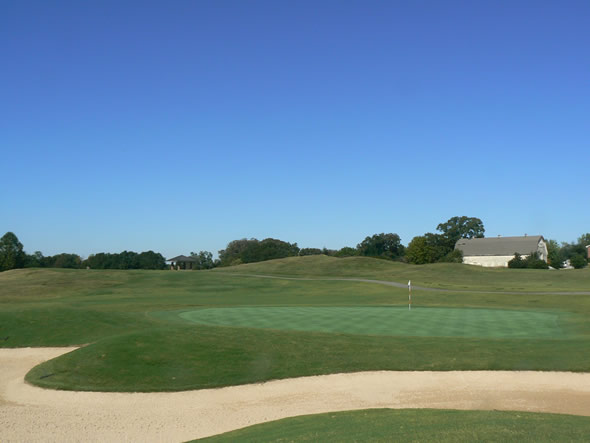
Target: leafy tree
35	260
234	250
347	251
126	260
456	228
584	240
64	260
328	252
382	245
268	249
310	251
554	254
151	260
517	262
578	261
455	256
204	260
12	255
532	261
420	251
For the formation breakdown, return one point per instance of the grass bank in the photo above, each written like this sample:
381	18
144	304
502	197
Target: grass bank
416	425
438	275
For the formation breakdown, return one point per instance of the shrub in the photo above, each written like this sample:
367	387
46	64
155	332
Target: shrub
517	262
455	256
578	261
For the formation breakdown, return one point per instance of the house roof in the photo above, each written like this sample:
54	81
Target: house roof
499	245
182	258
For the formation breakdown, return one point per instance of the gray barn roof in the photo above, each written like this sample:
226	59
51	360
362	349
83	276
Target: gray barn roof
182	258
498	245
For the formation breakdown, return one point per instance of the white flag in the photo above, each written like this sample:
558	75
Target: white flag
409	283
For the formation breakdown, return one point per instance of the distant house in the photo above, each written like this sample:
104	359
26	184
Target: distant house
588	252
182	262
498	251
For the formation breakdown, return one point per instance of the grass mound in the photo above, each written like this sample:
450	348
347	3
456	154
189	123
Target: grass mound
438	275
416	425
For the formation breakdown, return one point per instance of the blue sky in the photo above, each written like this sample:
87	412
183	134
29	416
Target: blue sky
179	126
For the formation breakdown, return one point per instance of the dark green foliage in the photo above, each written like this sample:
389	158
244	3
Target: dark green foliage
429	248
269	249
204	260
517	262
64	260
126	260
578	261
532	261
347	251
460	227
554	254
310	251
433	248
382	246
12	255
251	251
35	260
232	254
455	256
419	252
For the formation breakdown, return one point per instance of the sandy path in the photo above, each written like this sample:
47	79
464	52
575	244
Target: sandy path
32	414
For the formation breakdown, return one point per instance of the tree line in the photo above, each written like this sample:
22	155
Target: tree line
428	248
13	256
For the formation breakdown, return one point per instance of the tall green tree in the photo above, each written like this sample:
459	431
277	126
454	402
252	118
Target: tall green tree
382	245
233	251
456	228
420	251
554	254
204	260
12	255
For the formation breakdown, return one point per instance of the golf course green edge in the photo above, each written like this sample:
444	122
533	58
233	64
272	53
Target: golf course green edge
414	425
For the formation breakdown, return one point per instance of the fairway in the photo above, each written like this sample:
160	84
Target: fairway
394	321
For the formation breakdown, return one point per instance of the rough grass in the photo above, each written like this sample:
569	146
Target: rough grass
438	275
416	425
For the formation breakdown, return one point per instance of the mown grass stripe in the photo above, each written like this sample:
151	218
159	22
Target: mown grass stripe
421	322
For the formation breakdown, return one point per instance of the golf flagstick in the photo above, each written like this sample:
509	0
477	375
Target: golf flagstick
409	295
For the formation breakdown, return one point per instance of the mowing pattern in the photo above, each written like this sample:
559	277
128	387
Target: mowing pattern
424	322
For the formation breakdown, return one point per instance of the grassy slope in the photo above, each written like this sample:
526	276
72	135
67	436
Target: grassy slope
411	425
135	347
439	275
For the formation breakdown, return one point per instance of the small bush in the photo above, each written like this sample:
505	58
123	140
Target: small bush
455	256
531	262
578	261
517	262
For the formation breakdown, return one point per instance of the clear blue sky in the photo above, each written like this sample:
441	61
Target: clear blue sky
179	126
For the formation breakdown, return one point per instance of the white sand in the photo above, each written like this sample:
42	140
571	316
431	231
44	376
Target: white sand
32	414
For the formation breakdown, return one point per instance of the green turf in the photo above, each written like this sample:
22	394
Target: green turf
438	275
397	321
416	425
137	341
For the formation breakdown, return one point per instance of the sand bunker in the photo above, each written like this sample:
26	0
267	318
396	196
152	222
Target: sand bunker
29	413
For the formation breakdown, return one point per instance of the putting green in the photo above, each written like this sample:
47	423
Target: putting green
423	322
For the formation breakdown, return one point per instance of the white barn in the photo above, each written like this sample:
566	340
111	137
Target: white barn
498	251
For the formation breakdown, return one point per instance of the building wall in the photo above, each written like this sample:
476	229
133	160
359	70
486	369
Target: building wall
543	251
489	261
